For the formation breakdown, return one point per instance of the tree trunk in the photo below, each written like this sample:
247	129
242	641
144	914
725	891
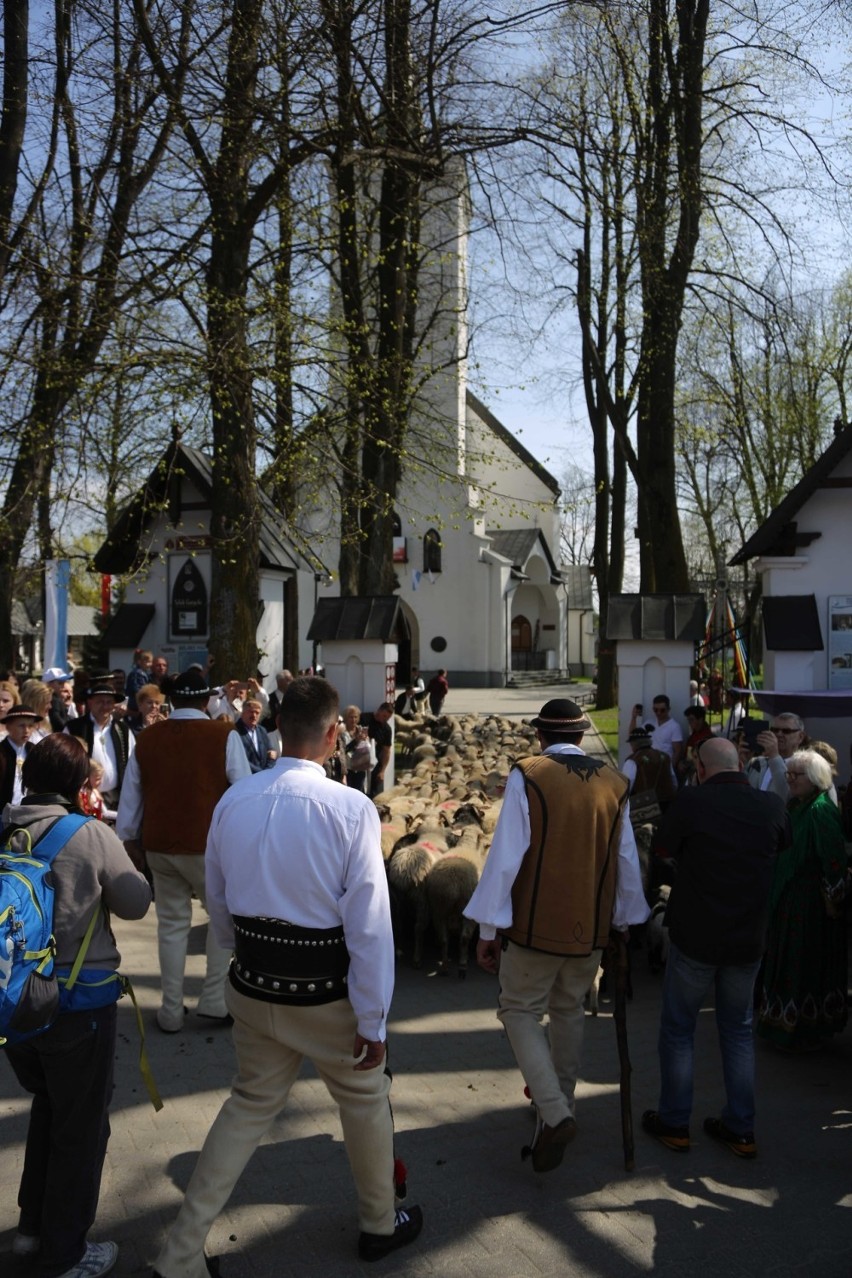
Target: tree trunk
14	116
235	516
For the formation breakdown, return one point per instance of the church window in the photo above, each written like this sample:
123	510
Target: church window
432	548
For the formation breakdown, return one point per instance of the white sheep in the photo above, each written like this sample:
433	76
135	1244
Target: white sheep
408	869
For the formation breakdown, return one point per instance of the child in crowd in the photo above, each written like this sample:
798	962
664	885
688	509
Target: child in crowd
91	799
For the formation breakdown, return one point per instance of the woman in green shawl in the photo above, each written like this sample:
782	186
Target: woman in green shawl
803	999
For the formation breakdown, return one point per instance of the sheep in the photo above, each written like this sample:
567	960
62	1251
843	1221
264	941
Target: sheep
644	835
408	869
390	833
657	934
450	884
591	999
469	844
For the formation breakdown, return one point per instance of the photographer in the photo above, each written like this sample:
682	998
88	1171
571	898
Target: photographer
149	708
358	748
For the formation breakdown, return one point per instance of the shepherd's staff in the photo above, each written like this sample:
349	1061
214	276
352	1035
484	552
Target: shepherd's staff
622	973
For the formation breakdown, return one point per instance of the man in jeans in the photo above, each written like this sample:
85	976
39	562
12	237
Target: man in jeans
724	837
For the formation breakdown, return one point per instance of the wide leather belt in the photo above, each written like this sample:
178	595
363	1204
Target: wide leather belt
278	962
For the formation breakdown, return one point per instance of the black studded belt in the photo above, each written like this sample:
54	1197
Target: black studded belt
279	962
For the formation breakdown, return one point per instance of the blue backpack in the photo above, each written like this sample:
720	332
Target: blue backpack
29	988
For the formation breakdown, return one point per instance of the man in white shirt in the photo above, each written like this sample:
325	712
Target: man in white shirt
108	740
296	886
231	698
668	734
562	871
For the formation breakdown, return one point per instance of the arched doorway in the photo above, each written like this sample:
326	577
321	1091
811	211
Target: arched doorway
409	648
521	635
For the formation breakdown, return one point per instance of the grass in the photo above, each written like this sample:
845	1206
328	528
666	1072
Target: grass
606	722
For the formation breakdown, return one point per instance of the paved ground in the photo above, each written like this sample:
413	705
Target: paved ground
461	1121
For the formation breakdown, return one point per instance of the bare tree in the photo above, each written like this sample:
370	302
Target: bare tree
77	224
241	167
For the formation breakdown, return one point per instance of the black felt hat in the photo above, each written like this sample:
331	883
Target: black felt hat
22	712
104	688
638	734
561	717
192	685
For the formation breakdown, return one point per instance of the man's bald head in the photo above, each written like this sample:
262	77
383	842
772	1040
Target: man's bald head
717	754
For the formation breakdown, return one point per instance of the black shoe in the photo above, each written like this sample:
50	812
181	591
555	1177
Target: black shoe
676	1138
409	1222
743	1146
549	1145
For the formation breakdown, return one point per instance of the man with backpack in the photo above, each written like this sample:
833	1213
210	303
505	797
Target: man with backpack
68	1066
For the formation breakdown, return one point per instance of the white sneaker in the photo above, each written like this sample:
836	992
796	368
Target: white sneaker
170	1024
26	1245
97	1259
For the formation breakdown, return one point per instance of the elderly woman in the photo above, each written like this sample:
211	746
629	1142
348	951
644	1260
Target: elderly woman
803	999
149	702
68	1069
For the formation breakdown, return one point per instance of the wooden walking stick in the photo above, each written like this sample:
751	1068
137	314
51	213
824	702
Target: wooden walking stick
622	973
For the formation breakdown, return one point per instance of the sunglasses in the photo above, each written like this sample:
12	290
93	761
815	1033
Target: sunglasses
794	772
785	732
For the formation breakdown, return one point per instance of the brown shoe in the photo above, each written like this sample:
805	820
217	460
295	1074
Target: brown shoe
548	1148
743	1146
676	1138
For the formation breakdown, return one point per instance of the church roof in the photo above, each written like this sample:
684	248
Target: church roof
778	535
512	443
517	544
119	553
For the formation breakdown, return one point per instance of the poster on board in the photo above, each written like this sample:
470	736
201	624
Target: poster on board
840	641
188	596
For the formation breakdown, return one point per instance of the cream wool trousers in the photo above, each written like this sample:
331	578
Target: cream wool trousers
176	878
532	984
271	1042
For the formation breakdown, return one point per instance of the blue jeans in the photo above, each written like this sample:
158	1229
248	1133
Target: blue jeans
685	987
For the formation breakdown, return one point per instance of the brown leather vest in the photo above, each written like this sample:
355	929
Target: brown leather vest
182	767
563	895
654	772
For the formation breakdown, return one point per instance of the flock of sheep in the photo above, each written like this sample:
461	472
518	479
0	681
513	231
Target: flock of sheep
438	820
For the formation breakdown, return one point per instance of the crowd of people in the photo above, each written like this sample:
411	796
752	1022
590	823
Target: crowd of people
749	820
276	837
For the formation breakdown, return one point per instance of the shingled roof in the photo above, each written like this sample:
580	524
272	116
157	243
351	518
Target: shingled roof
517	544
120	552
779	534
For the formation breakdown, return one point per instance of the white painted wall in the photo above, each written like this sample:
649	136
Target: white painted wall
360	670
647	669
152	586
823	568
